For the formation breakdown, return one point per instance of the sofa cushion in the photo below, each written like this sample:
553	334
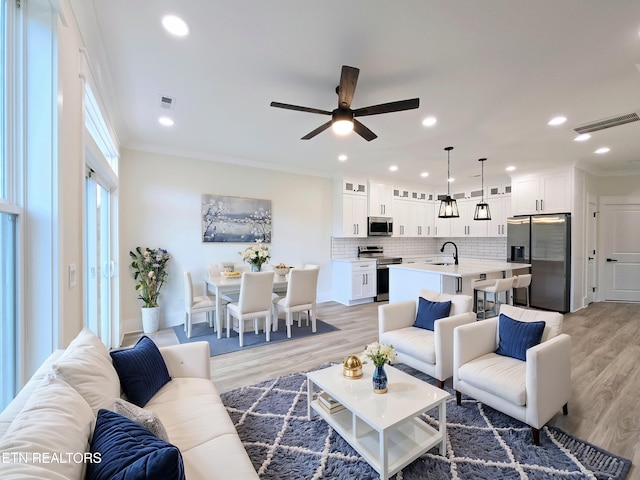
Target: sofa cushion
429	312
553	320
146	418
502	376
418	343
129	451
459	303
141	369
516	337
87	367
51	433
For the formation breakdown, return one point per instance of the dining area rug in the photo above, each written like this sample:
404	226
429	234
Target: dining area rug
271	419
203	332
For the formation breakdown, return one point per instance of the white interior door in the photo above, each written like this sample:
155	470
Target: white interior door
620	251
591	271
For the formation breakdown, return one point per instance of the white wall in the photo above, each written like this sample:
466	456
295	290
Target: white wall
160	199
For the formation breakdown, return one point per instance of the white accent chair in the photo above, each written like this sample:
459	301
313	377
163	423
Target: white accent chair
429	351
254	302
195	305
301	297
523	281
531	391
494	287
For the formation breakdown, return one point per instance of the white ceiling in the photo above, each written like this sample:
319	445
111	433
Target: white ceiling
492	72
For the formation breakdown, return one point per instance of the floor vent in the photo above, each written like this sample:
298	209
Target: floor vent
607	123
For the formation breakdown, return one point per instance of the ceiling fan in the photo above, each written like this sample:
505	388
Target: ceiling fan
342	118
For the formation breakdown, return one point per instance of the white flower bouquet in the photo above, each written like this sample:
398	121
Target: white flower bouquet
256	254
380	353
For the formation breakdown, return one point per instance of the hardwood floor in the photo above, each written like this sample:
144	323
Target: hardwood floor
605	356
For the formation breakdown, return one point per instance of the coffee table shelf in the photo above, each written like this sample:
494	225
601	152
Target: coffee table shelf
384	429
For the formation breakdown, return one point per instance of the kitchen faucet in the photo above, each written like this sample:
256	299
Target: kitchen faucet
455	255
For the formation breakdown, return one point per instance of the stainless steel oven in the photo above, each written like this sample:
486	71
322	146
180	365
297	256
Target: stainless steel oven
382	269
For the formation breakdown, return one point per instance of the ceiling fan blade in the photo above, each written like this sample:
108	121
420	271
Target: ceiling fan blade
299	109
318	130
347	87
363	131
388	107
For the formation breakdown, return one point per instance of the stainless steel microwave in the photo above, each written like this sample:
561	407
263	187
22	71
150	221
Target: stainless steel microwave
380	227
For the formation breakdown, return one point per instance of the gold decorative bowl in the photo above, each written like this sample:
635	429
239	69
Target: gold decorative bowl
352	367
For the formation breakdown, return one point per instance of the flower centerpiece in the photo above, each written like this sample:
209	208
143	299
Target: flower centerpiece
255	255
380	354
149	269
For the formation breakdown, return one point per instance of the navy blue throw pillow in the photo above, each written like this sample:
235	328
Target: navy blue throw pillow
128	451
516	336
141	369
429	312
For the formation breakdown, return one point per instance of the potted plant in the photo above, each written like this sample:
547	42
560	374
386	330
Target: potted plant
256	255
149	269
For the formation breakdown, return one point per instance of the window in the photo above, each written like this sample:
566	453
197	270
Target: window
8	310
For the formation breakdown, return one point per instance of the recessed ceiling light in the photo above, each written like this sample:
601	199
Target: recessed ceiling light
342	157
424	174
166	121
510	168
557	121
451	179
582	138
429	121
393	168
175	25
602	150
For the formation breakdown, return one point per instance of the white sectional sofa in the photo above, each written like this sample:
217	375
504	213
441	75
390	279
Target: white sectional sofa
46	431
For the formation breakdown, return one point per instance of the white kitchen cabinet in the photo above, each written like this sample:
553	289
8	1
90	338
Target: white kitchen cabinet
419	226
380	199
354	282
498	190
500	210
465	225
402	226
401	193
350	209
545	193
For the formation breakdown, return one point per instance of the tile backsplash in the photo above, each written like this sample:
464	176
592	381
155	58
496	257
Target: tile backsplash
493	248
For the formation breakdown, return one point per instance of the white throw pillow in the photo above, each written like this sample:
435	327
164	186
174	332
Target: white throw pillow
86	365
49	438
146	418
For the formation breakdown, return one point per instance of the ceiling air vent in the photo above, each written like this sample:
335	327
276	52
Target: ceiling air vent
607	123
167	102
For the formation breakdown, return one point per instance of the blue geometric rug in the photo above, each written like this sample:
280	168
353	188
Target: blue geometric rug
202	331
271	419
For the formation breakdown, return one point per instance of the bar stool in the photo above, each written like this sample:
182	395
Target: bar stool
523	281
495	287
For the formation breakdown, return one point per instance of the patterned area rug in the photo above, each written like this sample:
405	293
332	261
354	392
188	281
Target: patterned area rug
202	331
271	418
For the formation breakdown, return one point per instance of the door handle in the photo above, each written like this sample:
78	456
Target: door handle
590	258
611	260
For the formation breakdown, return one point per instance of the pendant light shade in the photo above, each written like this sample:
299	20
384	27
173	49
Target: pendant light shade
482	209
448	206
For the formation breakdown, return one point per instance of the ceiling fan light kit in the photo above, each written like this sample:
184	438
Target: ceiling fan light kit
343	118
448	206
482	209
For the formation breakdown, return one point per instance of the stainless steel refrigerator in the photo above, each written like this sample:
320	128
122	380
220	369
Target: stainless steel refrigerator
544	241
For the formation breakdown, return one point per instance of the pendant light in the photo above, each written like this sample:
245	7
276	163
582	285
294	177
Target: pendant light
448	206
482	209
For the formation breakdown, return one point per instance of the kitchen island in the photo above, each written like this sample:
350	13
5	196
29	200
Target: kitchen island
406	280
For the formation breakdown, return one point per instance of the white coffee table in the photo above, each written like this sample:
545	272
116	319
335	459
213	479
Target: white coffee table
383	428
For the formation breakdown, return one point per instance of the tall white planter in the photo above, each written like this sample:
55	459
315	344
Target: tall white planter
150	319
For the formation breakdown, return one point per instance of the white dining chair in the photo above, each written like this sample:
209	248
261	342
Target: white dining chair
196	305
300	297
256	290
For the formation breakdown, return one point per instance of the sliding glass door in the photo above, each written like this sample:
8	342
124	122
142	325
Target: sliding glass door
100	267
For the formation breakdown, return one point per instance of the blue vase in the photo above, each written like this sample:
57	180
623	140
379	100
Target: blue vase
255	268
379	380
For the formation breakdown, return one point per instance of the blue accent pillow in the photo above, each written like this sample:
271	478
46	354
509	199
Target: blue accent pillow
128	451
516	336
141	369
429	312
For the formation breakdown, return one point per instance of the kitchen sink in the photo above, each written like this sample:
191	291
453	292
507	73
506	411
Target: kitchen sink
442	263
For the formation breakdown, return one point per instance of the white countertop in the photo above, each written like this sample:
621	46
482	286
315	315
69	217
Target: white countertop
466	267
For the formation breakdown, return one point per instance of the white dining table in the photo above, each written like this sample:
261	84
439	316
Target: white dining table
221	286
